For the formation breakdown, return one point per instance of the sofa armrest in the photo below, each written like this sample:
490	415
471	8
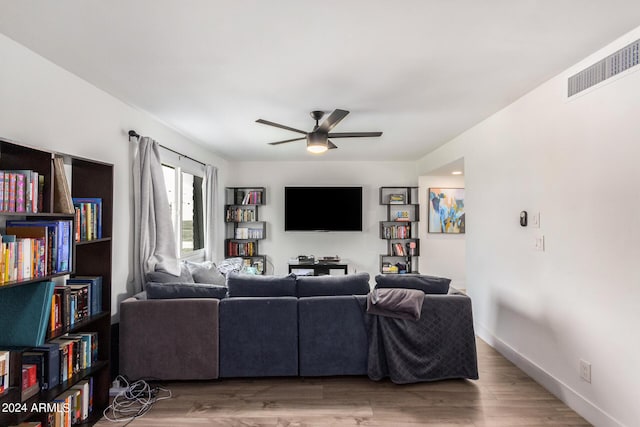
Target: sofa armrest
169	339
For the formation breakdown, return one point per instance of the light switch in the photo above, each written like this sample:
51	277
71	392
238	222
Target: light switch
535	220
539	245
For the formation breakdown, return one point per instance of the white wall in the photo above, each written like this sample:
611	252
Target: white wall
441	254
361	250
576	162
45	106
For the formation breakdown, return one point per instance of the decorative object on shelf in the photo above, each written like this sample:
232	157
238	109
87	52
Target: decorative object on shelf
446	210
318	139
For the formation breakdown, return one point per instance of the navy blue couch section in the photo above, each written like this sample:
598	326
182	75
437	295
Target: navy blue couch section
258	337
333	337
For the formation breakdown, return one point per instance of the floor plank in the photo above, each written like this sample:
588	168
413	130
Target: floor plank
504	396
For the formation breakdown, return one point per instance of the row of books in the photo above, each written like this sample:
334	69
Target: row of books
241	249
32	249
398	268
240	215
63	358
51	364
396	231
397	249
69	408
88	212
249	233
396	199
21	191
72	406
249	198
78	299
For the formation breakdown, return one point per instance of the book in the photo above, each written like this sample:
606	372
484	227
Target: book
24	314
51	353
5	358
62	202
85	390
95	291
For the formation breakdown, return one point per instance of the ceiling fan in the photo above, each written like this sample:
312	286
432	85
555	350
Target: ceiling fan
318	139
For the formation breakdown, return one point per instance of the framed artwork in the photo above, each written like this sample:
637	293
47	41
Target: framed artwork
446	210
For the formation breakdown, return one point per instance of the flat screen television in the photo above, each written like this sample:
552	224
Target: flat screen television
323	208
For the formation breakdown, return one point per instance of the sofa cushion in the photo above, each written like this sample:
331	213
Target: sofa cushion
184	290
427	284
349	284
164	277
248	285
206	272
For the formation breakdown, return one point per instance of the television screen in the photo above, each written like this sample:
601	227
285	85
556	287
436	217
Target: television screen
323	208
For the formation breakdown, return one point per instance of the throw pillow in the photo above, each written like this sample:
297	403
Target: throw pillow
427	284
184	290
349	284
205	272
164	277
248	285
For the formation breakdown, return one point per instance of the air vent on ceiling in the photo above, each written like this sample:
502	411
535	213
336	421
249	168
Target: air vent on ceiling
613	64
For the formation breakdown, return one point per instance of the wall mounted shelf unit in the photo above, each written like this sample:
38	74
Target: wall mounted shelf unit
400	230
243	228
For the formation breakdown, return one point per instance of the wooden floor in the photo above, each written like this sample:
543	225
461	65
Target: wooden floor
504	396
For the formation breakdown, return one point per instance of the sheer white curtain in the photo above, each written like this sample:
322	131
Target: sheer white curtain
154	240
210	198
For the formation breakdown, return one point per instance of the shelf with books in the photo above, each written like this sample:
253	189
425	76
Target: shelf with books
243	229
62	179
400	230
245	196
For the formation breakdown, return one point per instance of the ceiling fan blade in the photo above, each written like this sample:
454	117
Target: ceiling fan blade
354	134
287	140
267	122
333	119
331	145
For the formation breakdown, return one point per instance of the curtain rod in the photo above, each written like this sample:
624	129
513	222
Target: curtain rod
134	134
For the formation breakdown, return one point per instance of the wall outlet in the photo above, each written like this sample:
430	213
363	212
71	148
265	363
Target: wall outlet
585	370
539	243
535	220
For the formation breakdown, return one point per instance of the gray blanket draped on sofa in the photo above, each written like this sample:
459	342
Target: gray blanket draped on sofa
440	345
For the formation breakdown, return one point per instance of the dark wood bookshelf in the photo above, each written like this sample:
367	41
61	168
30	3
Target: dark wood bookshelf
236	200
403	200
88	179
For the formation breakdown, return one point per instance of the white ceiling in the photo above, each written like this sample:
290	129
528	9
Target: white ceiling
421	71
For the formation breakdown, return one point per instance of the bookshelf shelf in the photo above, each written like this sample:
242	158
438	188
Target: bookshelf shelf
400	230
85	179
243	228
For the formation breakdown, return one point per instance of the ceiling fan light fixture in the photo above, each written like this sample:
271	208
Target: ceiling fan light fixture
317	143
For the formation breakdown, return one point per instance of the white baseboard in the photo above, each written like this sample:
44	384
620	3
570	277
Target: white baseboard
587	409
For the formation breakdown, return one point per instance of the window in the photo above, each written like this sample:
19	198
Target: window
184	191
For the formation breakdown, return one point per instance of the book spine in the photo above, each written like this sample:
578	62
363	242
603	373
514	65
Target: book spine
12	192
2	191
5	200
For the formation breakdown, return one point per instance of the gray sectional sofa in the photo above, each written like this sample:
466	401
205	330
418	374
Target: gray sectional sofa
258	326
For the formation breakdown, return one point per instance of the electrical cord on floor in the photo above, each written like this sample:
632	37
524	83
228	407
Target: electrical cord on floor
134	401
